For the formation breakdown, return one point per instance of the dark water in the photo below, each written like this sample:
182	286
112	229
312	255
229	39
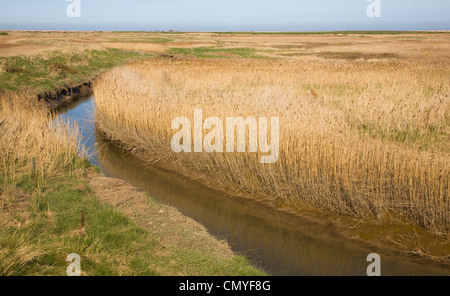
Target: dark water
278	242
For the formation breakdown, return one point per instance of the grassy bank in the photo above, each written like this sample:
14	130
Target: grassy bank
48	209
57	69
368	140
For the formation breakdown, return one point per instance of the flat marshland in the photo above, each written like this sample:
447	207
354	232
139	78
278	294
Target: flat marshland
363	139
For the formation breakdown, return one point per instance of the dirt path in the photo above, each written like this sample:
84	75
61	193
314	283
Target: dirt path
171	228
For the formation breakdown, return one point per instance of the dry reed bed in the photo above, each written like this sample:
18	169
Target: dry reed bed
33	144
356	138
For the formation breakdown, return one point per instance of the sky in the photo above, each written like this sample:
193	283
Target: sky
225	15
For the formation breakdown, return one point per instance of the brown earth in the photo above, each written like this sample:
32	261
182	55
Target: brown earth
171	228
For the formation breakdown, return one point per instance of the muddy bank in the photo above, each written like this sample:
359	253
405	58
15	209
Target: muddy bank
63	97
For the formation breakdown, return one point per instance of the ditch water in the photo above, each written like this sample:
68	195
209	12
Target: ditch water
280	243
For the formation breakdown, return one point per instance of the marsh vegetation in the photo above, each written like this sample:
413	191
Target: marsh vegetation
364	135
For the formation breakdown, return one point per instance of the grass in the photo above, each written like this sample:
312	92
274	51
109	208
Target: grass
368	140
410	136
54	232
109	243
57	69
4	33
215	52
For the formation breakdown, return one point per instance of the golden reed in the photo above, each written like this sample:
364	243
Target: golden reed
355	138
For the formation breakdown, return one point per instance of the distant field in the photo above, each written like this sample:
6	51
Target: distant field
329	32
41	60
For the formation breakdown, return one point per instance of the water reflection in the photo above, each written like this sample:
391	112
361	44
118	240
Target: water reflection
83	112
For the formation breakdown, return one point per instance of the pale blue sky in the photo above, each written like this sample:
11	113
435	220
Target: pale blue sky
214	15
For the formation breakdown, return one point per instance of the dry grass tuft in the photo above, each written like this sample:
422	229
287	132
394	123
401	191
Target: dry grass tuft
17	255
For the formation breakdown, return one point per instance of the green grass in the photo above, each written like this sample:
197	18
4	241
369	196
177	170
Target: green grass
57	69
110	243
4	33
52	232
410	136
215	52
